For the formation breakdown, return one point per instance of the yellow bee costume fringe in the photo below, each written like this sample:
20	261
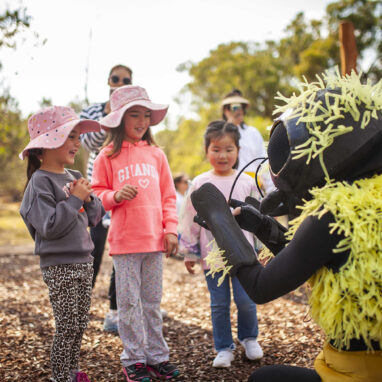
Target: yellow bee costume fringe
344	304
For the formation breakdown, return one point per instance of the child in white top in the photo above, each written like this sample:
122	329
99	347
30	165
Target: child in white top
221	147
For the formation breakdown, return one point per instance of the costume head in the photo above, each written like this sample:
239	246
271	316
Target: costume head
331	131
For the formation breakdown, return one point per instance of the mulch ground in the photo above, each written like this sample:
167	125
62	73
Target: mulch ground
287	335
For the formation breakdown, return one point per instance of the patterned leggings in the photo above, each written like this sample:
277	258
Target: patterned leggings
69	293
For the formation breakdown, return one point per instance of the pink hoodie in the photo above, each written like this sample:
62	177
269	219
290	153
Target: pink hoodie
137	225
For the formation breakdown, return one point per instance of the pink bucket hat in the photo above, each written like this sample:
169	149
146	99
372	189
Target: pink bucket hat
126	97
49	128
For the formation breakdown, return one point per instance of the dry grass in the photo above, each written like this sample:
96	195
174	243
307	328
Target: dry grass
12	227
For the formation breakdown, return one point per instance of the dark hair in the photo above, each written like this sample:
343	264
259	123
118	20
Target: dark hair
217	129
117	135
34	163
178	178
121	67
232	93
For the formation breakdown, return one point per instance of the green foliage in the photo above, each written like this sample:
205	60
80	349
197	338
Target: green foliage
261	124
11	23
45	102
184	147
246	66
77	105
304	51
13	137
13	129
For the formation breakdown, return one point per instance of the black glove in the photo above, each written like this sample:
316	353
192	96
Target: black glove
212	208
269	231
200	221
278	203
239	218
249	218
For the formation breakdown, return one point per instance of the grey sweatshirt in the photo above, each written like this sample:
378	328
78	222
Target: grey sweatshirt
58	221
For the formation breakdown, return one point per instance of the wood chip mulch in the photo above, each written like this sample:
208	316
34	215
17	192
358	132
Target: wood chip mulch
286	332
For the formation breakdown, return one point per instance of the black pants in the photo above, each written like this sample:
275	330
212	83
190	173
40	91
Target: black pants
99	235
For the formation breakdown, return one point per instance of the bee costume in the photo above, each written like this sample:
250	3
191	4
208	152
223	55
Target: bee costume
325	157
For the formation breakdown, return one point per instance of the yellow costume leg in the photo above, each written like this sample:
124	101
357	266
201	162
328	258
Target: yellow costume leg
348	366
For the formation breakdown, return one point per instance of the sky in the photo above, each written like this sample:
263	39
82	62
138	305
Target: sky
85	38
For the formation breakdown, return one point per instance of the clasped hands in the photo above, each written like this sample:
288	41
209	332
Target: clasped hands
81	188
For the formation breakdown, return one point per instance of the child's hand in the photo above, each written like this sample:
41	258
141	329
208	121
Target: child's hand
127	192
170	244
190	266
81	188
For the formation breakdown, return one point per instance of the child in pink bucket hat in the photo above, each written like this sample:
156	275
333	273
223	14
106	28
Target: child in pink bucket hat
125	98
132	177
49	127
57	207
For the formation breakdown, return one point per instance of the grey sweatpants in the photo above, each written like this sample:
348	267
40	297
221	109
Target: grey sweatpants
139	294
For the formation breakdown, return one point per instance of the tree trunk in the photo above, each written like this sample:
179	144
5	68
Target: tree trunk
348	48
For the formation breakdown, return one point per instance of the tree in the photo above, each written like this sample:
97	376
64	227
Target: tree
366	17
13	137
77	104
253	69
304	51
13	129
45	102
12	23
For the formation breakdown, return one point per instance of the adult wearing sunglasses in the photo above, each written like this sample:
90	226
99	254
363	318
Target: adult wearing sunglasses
234	107
119	75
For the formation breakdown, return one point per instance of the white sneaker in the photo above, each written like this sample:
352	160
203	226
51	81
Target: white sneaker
252	349
164	313
223	359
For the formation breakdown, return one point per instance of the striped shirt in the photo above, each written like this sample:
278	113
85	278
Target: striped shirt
93	141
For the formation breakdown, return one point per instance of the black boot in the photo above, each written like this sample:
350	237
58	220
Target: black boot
212	207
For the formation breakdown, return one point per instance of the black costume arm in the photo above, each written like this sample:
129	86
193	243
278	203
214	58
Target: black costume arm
310	249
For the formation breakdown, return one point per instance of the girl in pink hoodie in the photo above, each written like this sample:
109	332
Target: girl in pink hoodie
132	177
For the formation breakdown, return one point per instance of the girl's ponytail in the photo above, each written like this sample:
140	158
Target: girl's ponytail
34	163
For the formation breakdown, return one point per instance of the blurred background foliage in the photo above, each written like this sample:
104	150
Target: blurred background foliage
259	70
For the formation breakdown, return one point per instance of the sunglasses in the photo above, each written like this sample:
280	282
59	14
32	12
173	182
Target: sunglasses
235	107
116	79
